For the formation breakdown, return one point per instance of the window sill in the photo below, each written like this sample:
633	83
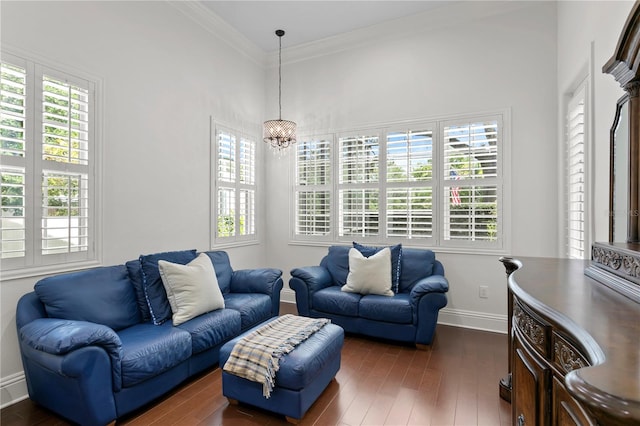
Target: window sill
480	251
39	271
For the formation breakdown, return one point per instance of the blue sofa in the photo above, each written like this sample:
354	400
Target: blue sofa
96	346
410	315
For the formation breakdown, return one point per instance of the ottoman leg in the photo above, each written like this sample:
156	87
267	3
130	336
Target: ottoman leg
233	401
292	420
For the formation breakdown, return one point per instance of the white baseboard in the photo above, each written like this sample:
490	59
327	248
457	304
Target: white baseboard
13	389
474	320
287	295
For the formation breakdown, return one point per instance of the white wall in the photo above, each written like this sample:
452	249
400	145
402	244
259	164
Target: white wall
163	76
490	57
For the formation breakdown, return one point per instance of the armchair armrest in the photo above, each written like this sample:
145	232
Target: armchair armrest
431	284
307	280
60	337
260	280
315	277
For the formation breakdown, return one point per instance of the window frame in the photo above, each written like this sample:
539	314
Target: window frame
236	185
436	241
35	262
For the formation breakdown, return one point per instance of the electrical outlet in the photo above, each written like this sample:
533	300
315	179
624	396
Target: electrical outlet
484	292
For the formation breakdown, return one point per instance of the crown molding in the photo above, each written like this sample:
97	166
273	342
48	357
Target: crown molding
218	27
448	15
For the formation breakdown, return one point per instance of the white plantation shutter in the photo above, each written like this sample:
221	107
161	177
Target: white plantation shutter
247	161
65	213
226	148
13	141
358	193
409	182
358	159
235	185
472	184
65	122
312	193
247	212
359	212
13	107
48	165
313	215
575	175
13	212
409	212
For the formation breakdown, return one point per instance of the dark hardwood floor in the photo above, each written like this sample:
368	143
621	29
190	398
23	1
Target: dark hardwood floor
453	382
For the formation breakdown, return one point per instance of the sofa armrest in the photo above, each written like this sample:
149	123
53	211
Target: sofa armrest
431	284
59	337
260	280
307	280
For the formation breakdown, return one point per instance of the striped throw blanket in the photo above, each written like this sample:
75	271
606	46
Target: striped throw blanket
256	356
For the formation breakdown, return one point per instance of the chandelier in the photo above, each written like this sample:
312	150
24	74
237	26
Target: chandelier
279	133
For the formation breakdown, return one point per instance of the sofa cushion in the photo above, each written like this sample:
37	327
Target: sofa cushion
221	264
148	350
337	262
416	265
134	267
101	295
396	255
369	275
334	301
396	309
155	294
212	328
192	289
254	308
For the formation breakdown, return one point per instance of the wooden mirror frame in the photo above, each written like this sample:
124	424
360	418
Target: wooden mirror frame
624	66
615	264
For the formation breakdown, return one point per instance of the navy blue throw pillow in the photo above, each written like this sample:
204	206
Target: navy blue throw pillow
154	291
396	255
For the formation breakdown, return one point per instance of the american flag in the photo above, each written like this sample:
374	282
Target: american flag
455	191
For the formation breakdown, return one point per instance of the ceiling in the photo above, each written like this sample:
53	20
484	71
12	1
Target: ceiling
306	21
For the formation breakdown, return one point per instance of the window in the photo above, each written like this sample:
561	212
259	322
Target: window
312	195
575	174
235	186
435	183
48	176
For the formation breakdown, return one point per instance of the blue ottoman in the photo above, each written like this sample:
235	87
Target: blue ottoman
304	373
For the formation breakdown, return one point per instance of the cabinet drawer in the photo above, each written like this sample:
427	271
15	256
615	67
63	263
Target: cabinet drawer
565	356
534	330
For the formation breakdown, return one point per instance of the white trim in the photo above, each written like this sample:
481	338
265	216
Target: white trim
474	320
13	389
217	26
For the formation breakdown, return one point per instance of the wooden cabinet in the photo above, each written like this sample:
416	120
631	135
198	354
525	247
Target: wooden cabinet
573	347
541	357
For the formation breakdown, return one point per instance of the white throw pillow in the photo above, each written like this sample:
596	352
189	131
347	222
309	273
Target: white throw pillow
369	275
192	289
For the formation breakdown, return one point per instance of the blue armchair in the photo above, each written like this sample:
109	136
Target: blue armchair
410	315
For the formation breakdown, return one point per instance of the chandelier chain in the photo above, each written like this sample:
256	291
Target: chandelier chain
280	78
